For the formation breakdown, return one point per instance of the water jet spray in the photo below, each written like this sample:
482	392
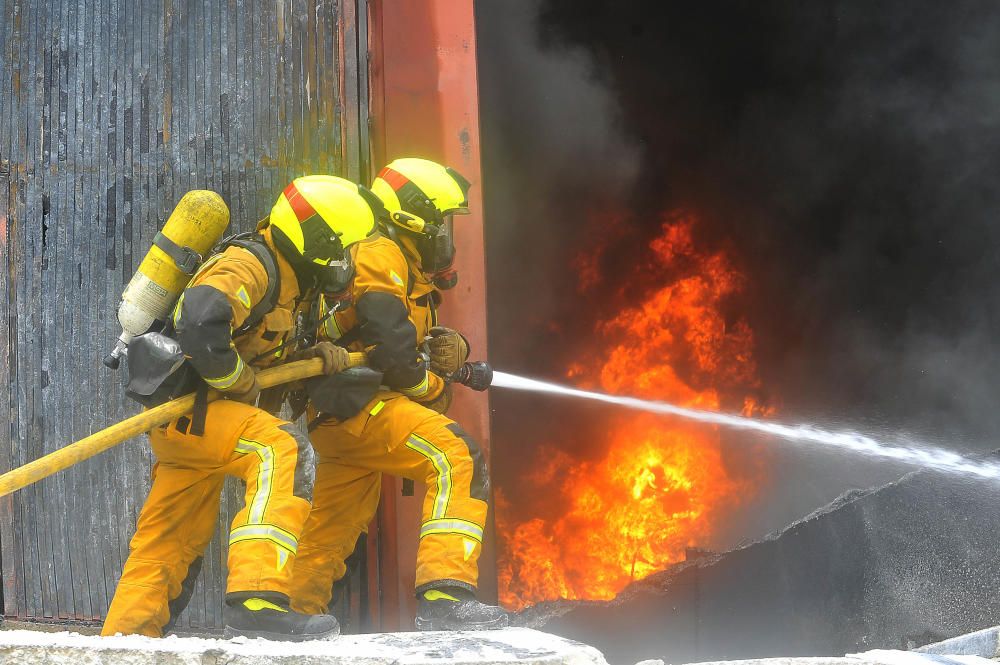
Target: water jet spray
909	452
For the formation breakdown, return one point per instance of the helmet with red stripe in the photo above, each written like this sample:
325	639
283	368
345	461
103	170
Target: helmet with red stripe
421	196
316	219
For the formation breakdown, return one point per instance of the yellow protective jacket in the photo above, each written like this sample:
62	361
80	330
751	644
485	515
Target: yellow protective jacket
393	308
212	309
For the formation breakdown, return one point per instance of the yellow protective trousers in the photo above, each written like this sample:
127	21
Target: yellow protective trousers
177	521
393	435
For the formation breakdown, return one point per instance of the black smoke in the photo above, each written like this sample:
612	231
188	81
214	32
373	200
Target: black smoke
847	156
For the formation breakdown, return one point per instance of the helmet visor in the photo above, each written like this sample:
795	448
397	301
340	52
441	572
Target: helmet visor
437	246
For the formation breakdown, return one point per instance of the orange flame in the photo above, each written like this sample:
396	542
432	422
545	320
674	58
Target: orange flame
662	485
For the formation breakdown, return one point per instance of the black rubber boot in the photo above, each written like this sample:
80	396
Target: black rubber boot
272	619
452	608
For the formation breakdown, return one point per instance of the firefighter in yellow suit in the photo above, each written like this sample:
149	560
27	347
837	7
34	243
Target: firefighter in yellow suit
240	306
400	429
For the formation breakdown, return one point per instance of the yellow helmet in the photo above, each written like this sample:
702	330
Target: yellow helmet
420	196
316	219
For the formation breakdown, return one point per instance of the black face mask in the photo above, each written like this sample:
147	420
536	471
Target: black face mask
335	274
335	277
437	246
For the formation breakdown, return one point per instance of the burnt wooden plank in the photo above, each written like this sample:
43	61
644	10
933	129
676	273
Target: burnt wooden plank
81	604
364	95
90	263
45	335
350	93
256	107
265	162
95	75
242	119
136	453
210	591
29	355
115	110
75	566
115	473
10	90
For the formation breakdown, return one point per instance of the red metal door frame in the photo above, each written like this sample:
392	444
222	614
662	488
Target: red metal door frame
425	103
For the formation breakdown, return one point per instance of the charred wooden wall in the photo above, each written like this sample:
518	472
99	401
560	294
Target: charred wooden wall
109	111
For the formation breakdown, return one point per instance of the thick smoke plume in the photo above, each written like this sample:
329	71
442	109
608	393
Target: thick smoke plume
844	154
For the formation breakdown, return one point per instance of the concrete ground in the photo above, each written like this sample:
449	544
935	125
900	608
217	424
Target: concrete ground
513	645
979	648
877	657
53	645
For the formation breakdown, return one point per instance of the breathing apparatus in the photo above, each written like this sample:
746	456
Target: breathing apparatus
193	228
312	223
421	197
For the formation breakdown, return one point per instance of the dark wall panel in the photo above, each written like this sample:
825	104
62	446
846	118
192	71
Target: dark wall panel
109	111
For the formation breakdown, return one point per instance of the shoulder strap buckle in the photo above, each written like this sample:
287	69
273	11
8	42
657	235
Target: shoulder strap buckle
186	259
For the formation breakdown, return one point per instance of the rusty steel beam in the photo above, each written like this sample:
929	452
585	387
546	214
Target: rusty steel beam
425	103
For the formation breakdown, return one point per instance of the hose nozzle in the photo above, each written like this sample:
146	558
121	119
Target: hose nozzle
477	375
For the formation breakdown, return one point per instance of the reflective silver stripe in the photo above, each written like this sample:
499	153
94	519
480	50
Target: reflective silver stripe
443	468
333	330
470	529
264	532
418	390
226	381
265	474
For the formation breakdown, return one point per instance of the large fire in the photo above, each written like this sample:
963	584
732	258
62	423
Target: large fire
662	484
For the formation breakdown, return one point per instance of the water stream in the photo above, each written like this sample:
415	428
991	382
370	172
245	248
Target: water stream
901	450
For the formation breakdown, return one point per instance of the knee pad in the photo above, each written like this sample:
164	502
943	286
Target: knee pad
305	463
480	486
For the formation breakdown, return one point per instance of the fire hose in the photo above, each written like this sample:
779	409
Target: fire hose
474	375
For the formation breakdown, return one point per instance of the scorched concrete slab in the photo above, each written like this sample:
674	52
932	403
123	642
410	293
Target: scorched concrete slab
514	645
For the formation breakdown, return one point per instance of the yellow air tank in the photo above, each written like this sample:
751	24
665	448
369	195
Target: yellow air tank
195	225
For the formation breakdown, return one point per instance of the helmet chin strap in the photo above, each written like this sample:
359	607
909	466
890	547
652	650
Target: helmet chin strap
392	231
300	266
411	249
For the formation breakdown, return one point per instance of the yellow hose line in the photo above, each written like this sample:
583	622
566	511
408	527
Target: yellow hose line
110	437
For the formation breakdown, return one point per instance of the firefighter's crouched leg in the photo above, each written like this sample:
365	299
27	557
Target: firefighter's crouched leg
277	463
175	526
344	501
451	535
454	510
399	437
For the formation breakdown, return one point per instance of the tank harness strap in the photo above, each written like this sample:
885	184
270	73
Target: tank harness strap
270	300
186	259
317	421
200	410
390	230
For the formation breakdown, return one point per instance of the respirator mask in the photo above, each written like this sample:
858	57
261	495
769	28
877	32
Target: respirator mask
329	263
437	246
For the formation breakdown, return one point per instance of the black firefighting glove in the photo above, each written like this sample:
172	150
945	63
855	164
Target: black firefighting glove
335	358
448	350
